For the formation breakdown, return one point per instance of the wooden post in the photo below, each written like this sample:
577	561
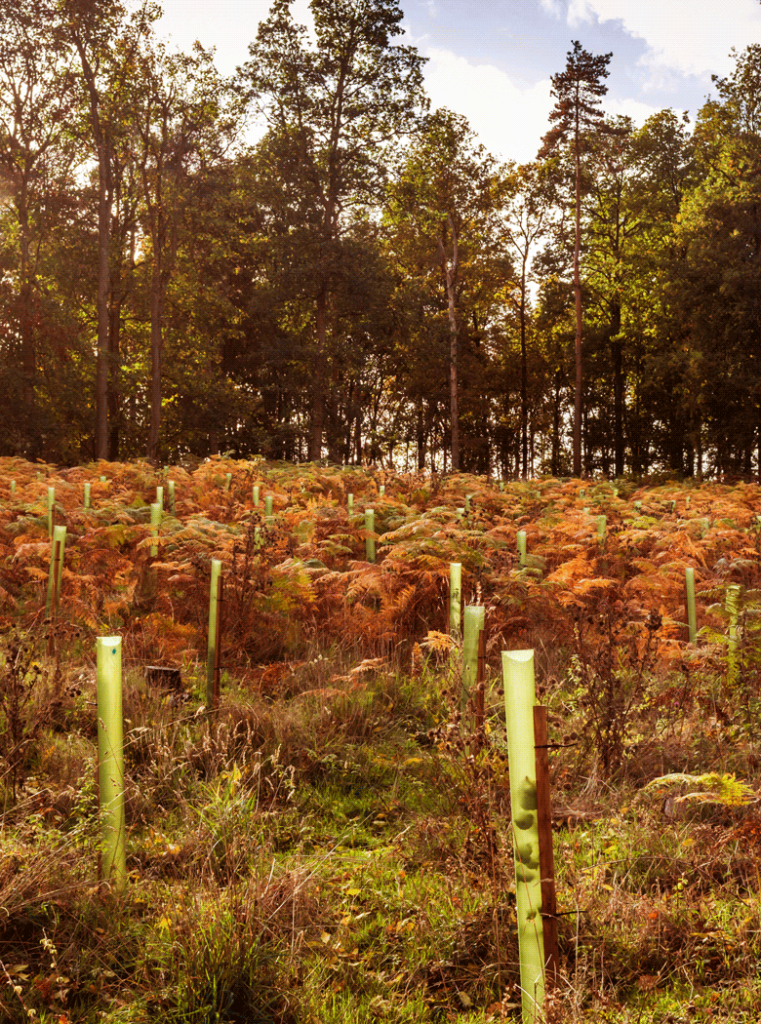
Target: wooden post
56	580
546	858
480	692
218	645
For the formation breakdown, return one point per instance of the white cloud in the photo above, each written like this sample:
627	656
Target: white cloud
510	121
636	110
687	36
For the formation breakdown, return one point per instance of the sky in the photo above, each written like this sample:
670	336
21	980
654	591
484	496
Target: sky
491	60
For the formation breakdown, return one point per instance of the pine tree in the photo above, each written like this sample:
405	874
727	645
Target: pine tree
577	115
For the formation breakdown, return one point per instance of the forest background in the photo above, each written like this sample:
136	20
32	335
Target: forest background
365	282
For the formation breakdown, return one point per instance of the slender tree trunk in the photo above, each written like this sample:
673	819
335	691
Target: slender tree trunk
577	299
420	431
319	378
114	385
157	345
618	386
524	375
450	276
102	358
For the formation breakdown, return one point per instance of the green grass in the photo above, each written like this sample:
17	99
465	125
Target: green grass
331	857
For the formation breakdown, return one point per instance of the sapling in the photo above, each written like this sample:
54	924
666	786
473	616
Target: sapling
111	760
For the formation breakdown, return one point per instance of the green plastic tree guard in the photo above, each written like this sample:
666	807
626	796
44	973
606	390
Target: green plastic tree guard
160	497
51	510
88	495
350	503
255	492
518	677
382	490
155	524
455	598
473	623
692	620
370	534
228	480
268	505
602	526
111	761
13	486
216	569
56	570
172	499
522	547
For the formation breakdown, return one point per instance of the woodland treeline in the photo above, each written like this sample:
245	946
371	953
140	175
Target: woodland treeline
364	282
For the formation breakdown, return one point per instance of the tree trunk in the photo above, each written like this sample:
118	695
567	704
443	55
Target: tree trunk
157	344
114	386
319	379
618	386
102	358
450	276
524	376
577	299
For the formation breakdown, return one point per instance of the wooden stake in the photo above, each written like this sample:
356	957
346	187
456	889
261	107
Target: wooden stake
546	859
218	645
480	687
54	598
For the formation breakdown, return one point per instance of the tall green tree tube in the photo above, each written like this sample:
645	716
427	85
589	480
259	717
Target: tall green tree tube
228	480
350	503
172	499
155	524
216	569
602	526
692	620
518	676
56	571
473	623
111	760
87	497
370	534
51	510
268	505
255	494
455	598
160	497
521	547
